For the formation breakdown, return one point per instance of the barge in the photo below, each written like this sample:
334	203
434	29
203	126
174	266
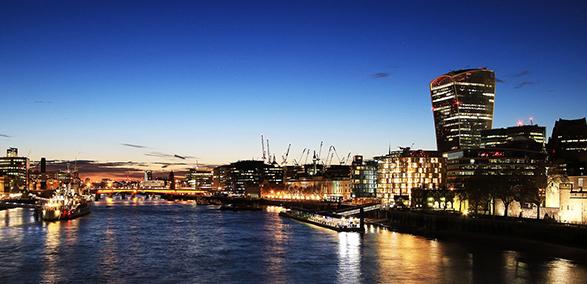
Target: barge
336	223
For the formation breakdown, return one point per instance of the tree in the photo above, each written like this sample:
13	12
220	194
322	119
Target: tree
533	190
477	190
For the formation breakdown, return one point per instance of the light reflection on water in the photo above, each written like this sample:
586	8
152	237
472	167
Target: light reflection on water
185	243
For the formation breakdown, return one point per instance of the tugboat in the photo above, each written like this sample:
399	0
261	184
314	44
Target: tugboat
66	204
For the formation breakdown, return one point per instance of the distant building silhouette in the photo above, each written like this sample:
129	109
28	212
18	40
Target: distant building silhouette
567	146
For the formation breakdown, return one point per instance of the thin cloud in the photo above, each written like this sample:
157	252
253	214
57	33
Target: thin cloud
42	102
164	155
90	168
183	157
158	154
521	74
133	145
524	84
499	80
5	135
380	75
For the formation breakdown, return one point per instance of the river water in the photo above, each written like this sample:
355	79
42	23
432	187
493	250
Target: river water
180	243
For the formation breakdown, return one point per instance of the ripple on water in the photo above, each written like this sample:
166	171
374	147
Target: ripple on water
184	243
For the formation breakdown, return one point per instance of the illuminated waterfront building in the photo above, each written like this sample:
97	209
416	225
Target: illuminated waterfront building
15	171
499	137
462	104
199	179
317	188
566	197
247	177
401	171
363	177
509	160
272	175
313	182
221	180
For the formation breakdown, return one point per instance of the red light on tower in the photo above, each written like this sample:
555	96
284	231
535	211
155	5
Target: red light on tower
520	123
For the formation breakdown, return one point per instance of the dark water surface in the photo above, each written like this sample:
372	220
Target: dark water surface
197	244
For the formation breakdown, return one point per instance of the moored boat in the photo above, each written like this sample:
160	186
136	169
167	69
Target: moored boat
66	204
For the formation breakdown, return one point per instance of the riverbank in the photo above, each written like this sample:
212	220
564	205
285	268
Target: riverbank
561	240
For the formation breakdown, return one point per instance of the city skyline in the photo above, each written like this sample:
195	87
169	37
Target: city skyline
305	141
100	86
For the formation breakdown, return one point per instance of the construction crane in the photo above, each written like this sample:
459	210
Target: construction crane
284	157
319	152
299	161
263	147
307	155
345	160
268	152
326	161
337	156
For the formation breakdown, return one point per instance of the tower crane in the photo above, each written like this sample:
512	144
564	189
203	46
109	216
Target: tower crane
284	158
268	152
346	159
307	155
319	152
299	161
263	147
326	161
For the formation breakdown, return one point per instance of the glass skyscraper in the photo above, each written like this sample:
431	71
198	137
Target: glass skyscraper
462	103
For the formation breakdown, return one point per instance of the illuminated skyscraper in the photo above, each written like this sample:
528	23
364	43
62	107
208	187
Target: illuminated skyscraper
462	104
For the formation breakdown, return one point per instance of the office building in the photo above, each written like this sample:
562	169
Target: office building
199	179
462	105
504	161
363	177
15	171
247	177
567	147
499	137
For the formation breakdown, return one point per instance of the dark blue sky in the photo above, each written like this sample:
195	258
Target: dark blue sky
77	78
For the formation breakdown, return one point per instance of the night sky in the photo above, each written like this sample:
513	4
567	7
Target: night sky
79	78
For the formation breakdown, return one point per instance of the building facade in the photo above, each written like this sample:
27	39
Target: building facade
464	164
199	179
247	177
567	147
567	196
498	137
462	104
363	177
15	171
316	188
401	171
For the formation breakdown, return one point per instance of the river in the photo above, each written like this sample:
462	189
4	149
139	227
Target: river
182	243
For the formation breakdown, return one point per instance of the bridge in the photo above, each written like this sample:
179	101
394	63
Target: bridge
356	210
24	203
